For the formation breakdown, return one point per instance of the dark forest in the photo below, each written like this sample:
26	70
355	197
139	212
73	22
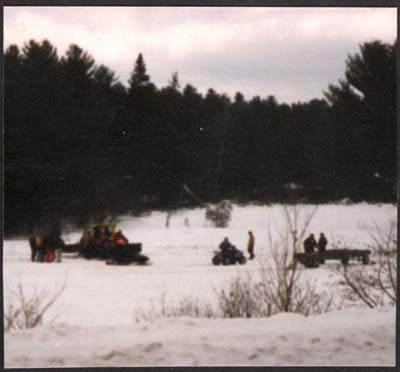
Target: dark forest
80	146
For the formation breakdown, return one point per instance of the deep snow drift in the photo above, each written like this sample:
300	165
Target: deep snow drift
96	313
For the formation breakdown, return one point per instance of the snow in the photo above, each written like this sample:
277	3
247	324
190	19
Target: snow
96	314
361	337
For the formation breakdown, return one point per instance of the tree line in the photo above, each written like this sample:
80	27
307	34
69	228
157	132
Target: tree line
80	146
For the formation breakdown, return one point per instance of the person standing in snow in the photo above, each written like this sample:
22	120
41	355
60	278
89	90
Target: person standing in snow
52	242
59	246
40	248
310	244
48	247
322	243
250	245
34	248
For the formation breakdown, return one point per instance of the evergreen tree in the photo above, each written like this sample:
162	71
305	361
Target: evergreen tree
364	108
139	78
174	82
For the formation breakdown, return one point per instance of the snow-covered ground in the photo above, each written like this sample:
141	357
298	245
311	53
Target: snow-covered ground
96	314
351	337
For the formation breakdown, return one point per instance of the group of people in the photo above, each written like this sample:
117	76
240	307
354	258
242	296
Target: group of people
310	244
101	240
104	236
49	247
46	248
227	246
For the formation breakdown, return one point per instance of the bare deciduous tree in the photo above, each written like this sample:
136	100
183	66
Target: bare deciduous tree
375	285
281	283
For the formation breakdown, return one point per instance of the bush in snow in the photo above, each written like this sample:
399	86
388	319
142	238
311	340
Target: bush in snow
283	289
186	307
241	300
219	214
375	285
238	301
25	311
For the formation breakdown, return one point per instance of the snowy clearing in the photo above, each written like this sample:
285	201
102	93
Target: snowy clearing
96	313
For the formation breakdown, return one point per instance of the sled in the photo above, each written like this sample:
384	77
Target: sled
71	248
314	259
138	260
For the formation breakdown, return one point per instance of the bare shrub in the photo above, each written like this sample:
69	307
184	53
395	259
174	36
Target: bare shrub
238	301
284	291
241	301
25	311
186	307
375	285
219	214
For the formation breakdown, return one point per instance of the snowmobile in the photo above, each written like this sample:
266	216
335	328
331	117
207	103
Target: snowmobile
101	242
230	256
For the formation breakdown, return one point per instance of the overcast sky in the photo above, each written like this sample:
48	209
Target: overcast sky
292	53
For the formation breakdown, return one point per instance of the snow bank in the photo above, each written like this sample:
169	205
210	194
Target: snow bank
350	337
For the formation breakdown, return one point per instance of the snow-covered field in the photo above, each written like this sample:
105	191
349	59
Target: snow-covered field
96	323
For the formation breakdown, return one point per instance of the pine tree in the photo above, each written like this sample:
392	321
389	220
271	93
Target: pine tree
174	82
139	78
363	107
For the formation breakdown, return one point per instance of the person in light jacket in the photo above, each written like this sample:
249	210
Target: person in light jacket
250	245
59	246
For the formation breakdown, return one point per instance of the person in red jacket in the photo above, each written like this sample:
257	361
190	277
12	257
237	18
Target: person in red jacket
120	239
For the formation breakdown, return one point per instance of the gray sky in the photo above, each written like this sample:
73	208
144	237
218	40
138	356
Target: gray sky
292	53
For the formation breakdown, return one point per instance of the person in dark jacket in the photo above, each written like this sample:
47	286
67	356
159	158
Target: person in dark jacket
310	244
34	248
322	243
250	245
225	246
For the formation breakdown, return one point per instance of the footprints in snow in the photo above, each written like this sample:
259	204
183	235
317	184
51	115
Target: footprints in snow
152	347
112	354
149	348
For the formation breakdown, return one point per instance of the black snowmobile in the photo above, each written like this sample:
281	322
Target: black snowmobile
230	256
